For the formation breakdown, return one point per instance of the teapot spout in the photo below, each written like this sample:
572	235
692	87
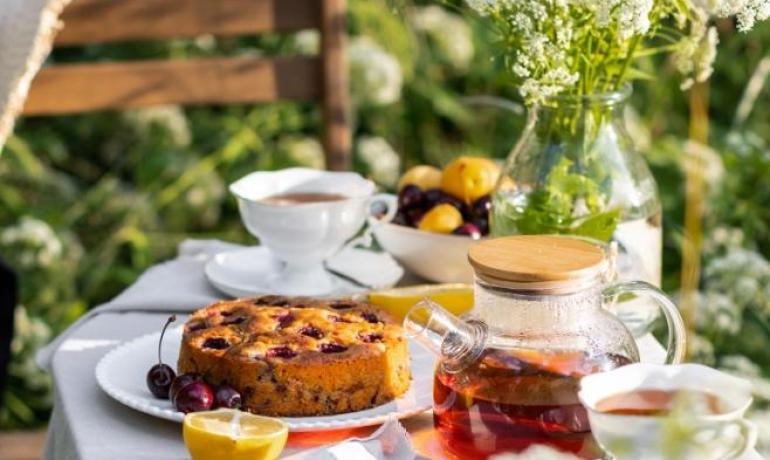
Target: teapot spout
457	342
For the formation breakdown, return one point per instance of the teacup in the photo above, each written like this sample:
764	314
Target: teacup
304	235
685	433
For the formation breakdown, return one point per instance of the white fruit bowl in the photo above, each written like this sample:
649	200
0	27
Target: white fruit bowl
433	256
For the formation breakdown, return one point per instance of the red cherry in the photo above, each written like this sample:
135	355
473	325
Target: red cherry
227	397
160	376
468	230
195	397
180	382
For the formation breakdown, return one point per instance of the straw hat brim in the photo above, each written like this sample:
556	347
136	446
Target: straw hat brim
27	30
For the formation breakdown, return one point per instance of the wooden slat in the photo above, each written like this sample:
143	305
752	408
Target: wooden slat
336	103
22	445
101	21
95	87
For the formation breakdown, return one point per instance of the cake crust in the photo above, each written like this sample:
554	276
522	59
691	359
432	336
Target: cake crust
298	356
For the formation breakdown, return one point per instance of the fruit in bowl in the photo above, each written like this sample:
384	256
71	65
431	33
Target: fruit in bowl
455	201
440	215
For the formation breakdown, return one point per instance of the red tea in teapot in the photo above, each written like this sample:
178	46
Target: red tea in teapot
509	400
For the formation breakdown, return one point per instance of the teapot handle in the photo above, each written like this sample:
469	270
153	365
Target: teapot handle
677	334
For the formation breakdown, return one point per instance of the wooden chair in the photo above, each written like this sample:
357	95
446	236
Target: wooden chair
88	87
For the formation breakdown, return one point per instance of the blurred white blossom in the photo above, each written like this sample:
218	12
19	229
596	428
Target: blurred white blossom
694	58
375	74
30	335
381	160
449	31
171	117
307	41
700	349
723	237
720	313
744	275
37	243
205	198
304	151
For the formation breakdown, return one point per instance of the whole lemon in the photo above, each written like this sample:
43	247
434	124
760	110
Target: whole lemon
423	176
443	218
469	178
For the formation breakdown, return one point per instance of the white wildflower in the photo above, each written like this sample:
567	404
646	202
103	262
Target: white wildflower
381	160
630	17
170	117
449	31
724	237
720	313
695	54
742	274
307	41
376	75
482	6
747	12
36	241
304	151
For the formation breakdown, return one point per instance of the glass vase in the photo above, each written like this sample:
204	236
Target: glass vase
575	171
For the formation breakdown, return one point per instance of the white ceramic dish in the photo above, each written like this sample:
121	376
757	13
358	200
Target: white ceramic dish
715	436
246	272
304	235
435	257
121	374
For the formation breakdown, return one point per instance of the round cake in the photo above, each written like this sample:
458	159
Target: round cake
298	356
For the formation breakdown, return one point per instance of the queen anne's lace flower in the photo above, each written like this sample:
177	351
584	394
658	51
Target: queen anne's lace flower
579	46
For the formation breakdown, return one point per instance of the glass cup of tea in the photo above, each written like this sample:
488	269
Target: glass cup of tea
304	216
683	412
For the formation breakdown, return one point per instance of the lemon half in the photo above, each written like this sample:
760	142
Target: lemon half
456	298
228	434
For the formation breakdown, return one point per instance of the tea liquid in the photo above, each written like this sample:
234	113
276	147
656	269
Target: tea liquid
291	199
659	403
510	400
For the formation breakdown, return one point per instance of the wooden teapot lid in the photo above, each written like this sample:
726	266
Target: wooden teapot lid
537	259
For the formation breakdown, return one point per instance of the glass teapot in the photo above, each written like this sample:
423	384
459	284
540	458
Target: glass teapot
508	374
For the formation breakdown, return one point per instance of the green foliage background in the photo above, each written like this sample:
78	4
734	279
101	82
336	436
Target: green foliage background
118	192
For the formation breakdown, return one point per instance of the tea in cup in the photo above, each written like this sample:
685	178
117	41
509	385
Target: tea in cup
682	412
304	216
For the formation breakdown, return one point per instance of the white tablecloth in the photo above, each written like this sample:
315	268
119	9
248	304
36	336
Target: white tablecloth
86	423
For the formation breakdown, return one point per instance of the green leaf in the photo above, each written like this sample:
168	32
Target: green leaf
599	226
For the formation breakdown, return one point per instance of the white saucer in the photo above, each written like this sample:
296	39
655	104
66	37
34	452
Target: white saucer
242	273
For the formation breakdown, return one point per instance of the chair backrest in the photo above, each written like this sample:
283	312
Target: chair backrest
88	87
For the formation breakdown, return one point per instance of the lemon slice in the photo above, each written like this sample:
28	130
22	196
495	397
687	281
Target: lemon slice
228	434
456	298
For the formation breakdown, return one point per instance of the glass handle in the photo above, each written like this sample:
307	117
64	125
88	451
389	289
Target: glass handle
677	334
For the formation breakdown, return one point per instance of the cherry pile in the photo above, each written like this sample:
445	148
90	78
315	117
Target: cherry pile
414	203
189	392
